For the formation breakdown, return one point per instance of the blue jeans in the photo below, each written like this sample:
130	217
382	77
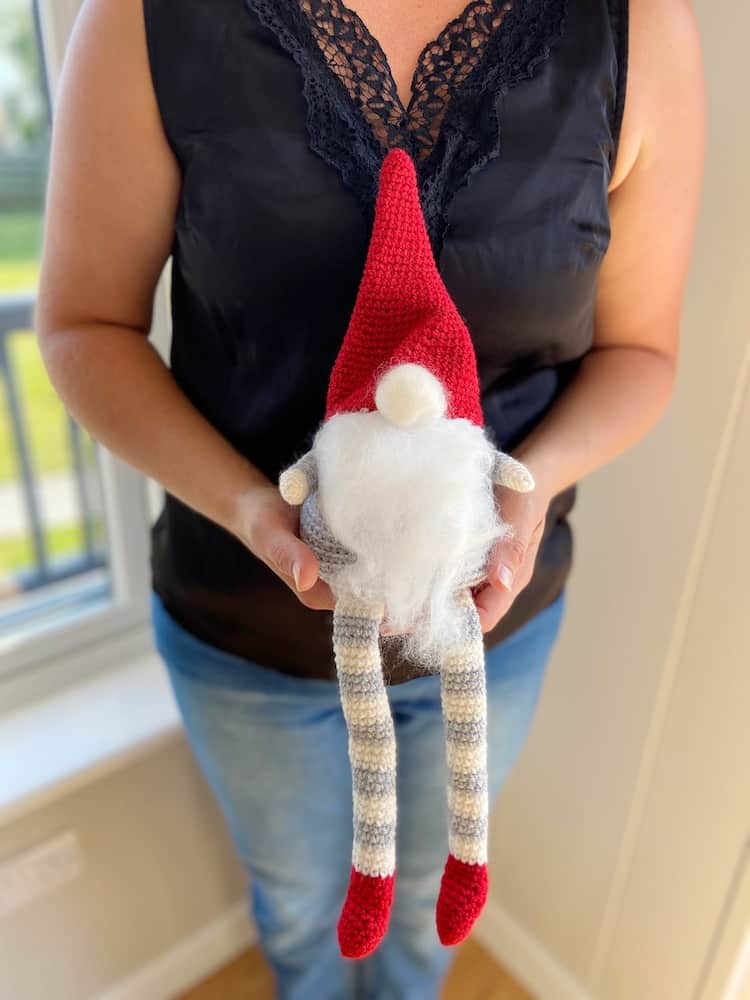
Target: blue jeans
273	749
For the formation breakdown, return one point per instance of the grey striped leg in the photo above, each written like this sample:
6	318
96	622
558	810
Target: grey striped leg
463	890
372	752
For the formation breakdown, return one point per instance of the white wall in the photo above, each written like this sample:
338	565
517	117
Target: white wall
157	867
620	830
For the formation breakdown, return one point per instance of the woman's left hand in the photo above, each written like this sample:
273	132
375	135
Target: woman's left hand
512	560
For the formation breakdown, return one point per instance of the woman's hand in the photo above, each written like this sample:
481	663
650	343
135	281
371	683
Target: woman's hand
269	527
511	562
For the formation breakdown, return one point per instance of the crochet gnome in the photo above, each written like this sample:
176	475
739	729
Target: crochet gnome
399	507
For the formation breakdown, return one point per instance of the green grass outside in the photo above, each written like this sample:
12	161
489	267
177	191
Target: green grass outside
20	246
48	433
19	277
20	235
43	414
62	540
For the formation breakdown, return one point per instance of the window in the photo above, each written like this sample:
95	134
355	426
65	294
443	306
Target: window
73	519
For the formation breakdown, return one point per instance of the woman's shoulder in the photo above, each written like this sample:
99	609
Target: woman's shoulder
662	62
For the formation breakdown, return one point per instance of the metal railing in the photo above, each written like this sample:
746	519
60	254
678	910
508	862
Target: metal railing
16	314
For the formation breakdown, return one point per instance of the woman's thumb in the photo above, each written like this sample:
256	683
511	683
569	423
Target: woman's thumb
508	557
289	556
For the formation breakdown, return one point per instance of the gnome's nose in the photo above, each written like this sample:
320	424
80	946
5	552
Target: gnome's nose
410	394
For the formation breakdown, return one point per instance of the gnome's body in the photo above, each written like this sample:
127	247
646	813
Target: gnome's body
398	504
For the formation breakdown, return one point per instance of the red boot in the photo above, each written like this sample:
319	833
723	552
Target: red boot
365	915
463	893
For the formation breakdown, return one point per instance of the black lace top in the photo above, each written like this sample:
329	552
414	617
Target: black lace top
279	113
451	123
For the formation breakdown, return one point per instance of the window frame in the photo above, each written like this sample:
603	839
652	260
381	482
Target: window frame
104	637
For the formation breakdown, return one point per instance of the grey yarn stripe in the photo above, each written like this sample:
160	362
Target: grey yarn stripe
376	834
309	466
469	826
465	682
473	629
380	730
468	781
464	702
354	630
357	684
374	781
467	732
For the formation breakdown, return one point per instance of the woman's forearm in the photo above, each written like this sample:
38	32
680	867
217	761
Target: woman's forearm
618	394
114	383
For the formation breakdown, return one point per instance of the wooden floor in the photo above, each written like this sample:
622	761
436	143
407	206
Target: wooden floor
474	976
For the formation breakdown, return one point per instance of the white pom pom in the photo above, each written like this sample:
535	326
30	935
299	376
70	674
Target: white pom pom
409	394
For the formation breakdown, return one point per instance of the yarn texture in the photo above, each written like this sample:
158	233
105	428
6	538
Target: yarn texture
386	330
397	501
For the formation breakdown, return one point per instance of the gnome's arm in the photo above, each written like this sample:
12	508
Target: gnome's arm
299	480
508	471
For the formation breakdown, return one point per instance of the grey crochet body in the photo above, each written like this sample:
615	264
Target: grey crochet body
333	556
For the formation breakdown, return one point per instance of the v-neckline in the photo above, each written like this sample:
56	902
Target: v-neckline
438	41
352	118
403	117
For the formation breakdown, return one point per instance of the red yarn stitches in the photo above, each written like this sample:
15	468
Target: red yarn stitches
463	893
364	918
403	312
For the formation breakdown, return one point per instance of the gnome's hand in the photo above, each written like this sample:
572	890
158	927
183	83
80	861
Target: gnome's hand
299	480
508	471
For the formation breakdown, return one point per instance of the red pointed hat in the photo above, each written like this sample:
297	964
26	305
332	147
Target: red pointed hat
403	311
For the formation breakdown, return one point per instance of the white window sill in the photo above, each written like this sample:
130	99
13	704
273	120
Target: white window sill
61	742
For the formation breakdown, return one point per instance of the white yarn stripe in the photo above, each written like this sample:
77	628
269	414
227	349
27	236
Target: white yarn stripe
460	706
359	659
361	711
460	663
471	852
373	754
465	760
374	861
468	803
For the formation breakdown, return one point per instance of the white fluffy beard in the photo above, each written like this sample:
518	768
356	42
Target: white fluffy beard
417	507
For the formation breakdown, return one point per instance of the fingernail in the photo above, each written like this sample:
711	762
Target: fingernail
296	570
506	576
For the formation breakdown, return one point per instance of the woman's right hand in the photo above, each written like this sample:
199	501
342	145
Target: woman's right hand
269	527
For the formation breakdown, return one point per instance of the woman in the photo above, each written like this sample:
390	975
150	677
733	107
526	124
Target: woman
243	137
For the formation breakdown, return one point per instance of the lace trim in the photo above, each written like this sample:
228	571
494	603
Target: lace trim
451	124
357	58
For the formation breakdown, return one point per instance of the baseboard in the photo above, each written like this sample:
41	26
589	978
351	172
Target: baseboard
522	955
194	958
226	937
